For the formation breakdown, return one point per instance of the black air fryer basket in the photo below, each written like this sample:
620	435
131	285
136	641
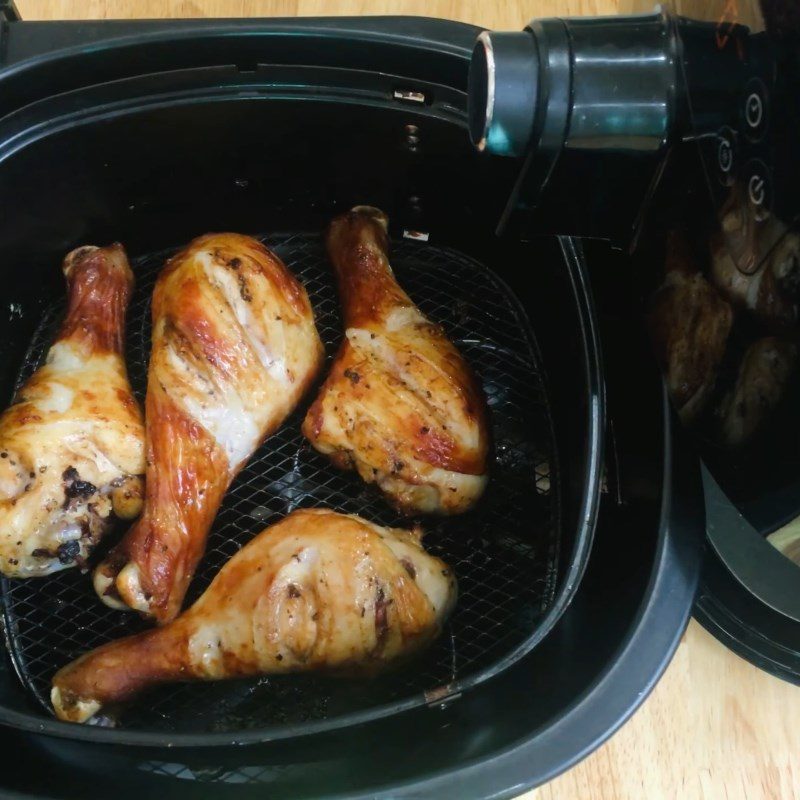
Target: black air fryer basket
240	147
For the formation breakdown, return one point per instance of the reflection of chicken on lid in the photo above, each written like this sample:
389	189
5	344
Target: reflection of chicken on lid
757	268
689	324
691	321
760	384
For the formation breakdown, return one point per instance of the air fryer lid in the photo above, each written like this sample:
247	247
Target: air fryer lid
694	124
732	238
739	231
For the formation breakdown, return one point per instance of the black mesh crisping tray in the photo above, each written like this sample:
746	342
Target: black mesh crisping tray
504	552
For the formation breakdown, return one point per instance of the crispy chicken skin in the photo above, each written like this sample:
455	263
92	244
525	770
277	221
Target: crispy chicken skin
317	591
689	325
72	444
234	348
400	405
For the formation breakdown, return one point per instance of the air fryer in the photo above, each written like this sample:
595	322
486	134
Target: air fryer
539	255
690	126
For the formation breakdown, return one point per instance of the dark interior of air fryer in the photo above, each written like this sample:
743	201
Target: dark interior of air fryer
280	170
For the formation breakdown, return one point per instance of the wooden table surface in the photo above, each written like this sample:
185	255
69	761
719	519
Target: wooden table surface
715	727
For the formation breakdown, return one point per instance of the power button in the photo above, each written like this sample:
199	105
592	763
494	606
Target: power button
758	185
754	109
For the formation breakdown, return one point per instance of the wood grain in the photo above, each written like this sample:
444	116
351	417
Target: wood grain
715	727
509	14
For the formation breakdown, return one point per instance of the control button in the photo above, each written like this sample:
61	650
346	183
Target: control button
756	190
726	156
758	186
755	109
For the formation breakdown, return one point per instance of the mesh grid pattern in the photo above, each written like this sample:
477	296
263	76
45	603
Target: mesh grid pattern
504	552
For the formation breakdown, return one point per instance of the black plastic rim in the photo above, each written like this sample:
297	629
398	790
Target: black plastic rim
745	625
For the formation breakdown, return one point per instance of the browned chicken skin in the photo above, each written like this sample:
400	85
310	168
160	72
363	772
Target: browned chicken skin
400	405
72	444
317	591
234	349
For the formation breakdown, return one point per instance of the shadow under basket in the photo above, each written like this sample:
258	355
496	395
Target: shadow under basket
505	552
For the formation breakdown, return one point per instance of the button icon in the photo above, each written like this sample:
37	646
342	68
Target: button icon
758	186
725	155
754	110
756	190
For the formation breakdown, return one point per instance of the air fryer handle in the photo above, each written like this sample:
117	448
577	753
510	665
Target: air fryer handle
599	84
590	106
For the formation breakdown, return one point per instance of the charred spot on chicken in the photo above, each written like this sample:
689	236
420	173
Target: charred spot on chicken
60	462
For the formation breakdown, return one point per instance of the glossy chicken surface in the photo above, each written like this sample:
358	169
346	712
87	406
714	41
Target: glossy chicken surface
72	443
317	591
234	348
400	404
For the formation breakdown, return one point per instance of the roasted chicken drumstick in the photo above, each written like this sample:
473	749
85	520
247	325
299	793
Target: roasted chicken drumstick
72	444
400	405
234	348
317	591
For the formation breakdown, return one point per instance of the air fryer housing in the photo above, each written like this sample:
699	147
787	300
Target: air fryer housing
617	636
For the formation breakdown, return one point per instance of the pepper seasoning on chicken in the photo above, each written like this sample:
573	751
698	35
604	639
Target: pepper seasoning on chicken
400	405
318	591
234	349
